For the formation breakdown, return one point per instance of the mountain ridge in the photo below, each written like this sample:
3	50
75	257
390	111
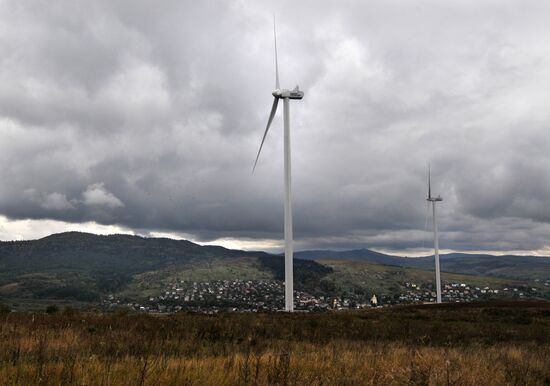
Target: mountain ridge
508	266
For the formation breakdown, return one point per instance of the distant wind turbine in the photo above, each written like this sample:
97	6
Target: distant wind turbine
434	200
285	95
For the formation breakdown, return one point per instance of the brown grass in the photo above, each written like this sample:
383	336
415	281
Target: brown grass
491	344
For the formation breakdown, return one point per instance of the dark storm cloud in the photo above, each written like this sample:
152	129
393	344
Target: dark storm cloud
149	116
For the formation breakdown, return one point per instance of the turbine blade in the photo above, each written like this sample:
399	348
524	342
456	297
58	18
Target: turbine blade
277	86
271	116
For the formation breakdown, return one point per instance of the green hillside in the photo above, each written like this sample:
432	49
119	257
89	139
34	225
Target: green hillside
80	268
356	277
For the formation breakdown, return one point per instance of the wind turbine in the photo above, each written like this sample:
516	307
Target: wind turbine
285	95
433	201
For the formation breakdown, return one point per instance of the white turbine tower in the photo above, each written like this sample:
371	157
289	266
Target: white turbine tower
433	201
285	95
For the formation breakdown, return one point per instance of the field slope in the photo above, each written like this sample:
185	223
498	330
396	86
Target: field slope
468	344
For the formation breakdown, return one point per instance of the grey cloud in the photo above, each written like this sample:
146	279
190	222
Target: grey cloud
149	116
53	201
97	195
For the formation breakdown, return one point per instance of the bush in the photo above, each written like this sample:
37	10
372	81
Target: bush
4	309
52	309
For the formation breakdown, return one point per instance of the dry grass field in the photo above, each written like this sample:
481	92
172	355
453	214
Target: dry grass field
475	344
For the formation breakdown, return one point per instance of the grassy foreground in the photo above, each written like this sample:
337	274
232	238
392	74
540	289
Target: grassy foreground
466	344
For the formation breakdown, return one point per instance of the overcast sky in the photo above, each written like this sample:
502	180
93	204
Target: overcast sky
145	117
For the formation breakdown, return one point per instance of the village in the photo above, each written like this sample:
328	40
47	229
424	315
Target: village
461	292
268	296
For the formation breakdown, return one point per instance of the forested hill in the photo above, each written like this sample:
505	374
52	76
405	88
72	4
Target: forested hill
84	265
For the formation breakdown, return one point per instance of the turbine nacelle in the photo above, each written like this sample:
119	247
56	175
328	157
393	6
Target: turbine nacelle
434	199
290	94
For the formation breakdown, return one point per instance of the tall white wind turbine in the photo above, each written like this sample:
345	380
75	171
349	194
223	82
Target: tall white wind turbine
285	95
433	201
